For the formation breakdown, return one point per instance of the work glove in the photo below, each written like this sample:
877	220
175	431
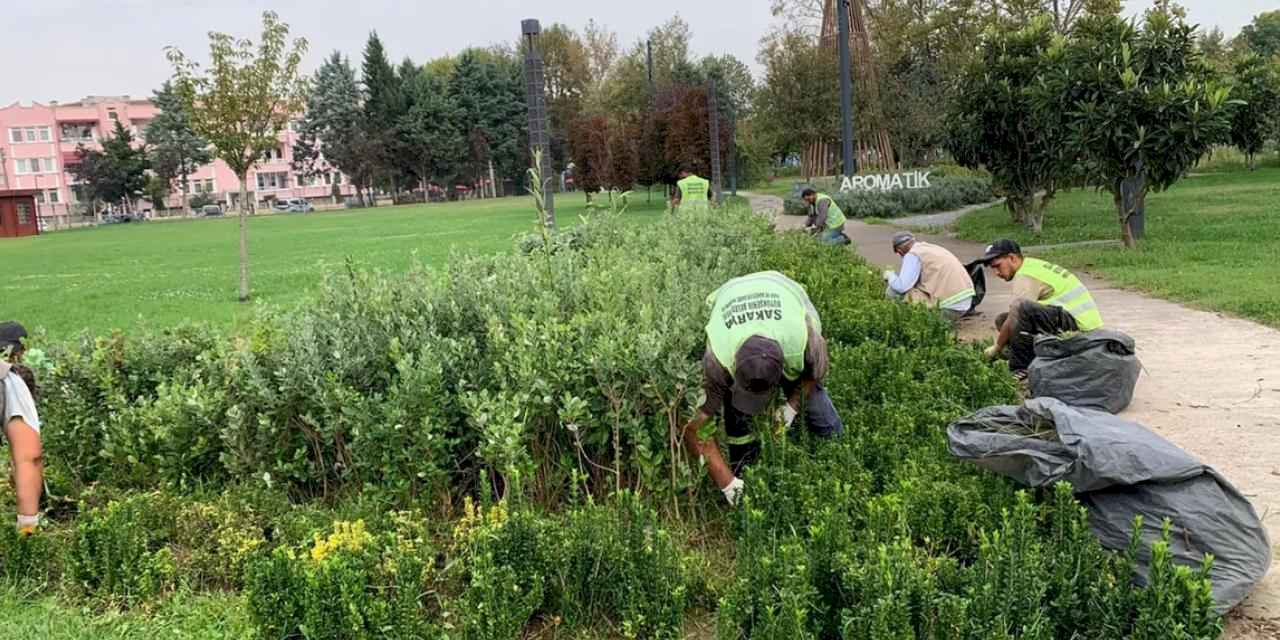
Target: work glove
27	524
786	415
733	491
888	275
990	353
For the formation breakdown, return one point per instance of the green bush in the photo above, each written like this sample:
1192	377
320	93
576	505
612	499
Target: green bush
121	552
945	193
27	561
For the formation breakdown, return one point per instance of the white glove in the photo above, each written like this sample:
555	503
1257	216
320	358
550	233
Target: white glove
733	491
990	353
888	276
787	415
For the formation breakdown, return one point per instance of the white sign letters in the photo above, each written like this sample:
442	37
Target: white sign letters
887	182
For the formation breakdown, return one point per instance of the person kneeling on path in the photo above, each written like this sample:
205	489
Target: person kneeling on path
825	220
21	426
763	334
1047	299
930	275
692	193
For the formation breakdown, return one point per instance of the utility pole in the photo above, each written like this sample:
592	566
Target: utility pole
850	165
536	100
713	115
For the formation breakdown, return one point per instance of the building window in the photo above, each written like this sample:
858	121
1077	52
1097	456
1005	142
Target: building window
24	213
20	135
76	132
27	166
273	181
304	180
49	196
273	155
111	113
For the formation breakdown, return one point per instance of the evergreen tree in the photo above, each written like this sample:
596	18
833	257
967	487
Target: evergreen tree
331	135
381	110
116	173
487	89
176	150
431	135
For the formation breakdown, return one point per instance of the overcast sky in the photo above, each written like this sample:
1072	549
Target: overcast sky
63	49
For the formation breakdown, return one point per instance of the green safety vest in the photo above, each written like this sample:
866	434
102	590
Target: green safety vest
835	217
693	193
766	304
1068	292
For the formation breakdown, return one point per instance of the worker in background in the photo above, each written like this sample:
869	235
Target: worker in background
1047	299
764	334
21	426
826	220
932	276
692	193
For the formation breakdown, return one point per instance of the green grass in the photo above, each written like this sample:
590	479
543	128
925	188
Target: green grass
114	277
1212	241
182	617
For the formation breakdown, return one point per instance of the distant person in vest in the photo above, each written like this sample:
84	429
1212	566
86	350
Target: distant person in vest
825	220
21	426
932	276
764	334
1047	299
693	193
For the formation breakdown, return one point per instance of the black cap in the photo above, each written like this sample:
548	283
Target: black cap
1002	247
11	335
757	372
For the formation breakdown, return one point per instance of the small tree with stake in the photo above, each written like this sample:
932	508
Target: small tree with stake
1143	106
242	102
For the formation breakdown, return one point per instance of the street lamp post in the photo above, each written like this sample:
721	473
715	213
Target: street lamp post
846	88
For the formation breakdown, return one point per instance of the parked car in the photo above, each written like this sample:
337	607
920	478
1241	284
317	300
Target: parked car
295	205
211	210
120	218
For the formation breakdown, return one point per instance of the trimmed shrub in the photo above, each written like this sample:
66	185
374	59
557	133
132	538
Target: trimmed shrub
945	193
121	552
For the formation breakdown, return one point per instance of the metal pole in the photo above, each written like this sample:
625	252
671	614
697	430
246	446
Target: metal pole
733	150
536	101
713	115
846	88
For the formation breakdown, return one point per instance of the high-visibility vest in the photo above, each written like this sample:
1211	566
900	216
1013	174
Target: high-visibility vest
693	193
1068	292
835	217
766	304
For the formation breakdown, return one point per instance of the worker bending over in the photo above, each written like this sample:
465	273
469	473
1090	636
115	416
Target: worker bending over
693	193
1047	299
21	426
931	276
763	334
825	220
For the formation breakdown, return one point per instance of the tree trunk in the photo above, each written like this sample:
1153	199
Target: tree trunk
244	238
1126	232
186	201
1252	161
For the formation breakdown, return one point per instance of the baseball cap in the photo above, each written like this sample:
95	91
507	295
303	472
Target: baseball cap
1002	247
11	335
757	371
902	238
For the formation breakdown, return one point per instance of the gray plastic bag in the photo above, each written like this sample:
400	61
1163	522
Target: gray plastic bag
1119	470
1094	370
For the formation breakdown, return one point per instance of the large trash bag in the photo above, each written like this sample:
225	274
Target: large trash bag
979	277
1119	470
1093	370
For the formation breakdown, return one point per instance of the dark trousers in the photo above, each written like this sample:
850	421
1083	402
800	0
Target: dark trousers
1033	319
820	417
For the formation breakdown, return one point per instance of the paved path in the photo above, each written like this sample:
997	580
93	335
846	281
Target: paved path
1211	385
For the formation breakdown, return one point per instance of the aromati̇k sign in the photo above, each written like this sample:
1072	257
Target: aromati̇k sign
886	181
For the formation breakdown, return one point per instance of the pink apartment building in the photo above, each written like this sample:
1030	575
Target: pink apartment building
38	142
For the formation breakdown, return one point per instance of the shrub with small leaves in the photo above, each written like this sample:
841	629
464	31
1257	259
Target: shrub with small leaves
121	552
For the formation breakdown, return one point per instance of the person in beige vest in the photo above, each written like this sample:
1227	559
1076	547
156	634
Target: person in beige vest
932	276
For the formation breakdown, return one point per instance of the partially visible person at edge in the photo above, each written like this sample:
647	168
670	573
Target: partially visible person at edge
692	193
763	334
1047	300
21	426
825	220
932	276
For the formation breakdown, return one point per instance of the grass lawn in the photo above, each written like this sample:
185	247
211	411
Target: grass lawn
1212	241
160	273
211	617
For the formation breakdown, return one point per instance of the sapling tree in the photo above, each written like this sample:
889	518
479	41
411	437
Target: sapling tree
1255	112
242	101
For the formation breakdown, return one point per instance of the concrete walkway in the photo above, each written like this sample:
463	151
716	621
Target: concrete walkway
1211	385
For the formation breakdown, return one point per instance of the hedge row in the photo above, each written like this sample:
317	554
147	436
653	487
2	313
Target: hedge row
943	194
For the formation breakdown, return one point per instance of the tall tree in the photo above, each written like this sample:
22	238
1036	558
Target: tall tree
602	51
1262	36
382	110
331	135
176	150
431	134
117	173
1255	112
487	91
242	102
568	77
797	103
